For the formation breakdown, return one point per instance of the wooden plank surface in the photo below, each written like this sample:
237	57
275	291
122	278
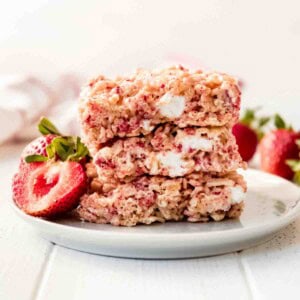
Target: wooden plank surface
76	275
31	268
273	269
22	254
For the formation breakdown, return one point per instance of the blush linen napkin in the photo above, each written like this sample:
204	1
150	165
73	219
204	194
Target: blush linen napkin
24	99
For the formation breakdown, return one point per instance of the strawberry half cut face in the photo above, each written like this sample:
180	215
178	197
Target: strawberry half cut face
47	189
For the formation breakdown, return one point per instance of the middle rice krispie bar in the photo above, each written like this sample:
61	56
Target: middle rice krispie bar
168	151
135	105
196	197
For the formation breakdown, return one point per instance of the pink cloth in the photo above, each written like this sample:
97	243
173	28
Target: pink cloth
24	99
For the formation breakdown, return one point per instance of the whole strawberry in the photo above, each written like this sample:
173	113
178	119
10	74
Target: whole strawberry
51	177
247	133
277	147
246	140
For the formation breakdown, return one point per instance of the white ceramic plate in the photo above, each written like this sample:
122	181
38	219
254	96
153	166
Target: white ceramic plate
271	204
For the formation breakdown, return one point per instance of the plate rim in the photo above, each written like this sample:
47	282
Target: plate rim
269	226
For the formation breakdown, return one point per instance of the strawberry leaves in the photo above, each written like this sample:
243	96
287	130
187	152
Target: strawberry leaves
81	151
256	123
262	121
46	127
35	158
280	123
64	148
249	117
294	164
67	148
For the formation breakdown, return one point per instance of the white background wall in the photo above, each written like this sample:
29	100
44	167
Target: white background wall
258	41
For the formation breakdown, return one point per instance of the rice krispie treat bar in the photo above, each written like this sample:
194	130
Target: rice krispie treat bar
135	105
196	197
169	151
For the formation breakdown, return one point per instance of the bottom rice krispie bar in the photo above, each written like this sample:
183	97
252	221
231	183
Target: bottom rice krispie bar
147	199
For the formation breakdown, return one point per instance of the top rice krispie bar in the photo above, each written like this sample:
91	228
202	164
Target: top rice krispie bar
135	105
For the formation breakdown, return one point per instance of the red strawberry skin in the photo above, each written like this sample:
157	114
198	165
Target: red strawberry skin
48	189
246	140
275	148
38	146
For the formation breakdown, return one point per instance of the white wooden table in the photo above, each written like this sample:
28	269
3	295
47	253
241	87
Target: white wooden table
32	268
259	42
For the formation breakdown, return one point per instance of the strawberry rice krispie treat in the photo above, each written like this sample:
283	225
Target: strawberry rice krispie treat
169	151
162	148
130	106
195	197
157	146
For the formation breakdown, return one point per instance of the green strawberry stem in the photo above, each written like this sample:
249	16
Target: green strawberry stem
294	164
46	127
61	147
258	124
251	120
35	158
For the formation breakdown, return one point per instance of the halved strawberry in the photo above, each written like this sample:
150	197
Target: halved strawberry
46	189
51	176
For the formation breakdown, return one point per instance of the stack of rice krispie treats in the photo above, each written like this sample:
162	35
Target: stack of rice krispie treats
162	148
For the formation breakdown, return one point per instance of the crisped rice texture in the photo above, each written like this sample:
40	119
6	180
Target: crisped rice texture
193	149
195	198
130	106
